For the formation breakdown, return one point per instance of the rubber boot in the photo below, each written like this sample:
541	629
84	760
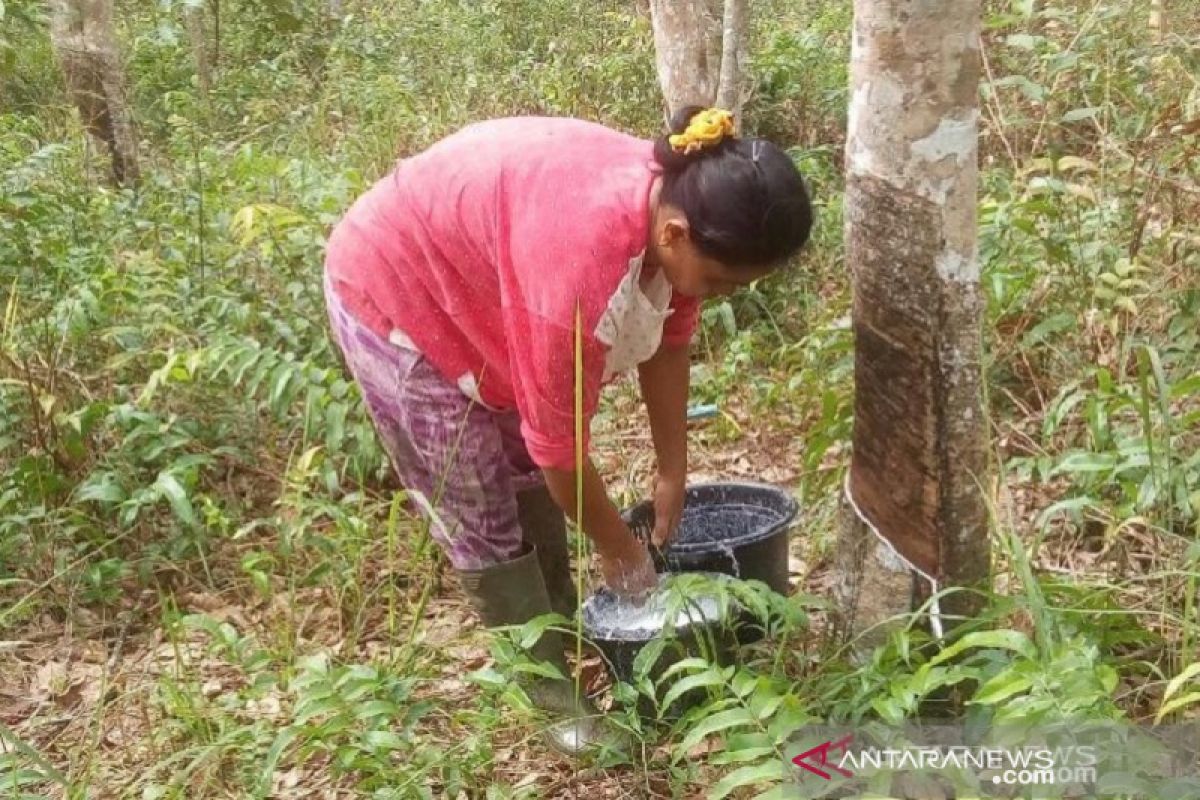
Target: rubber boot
544	527
512	593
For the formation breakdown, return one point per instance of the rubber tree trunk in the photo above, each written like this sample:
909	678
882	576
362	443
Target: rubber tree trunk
699	50
917	472
197	28
81	32
1158	19
730	88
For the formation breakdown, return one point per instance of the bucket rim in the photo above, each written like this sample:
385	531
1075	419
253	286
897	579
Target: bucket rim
789	508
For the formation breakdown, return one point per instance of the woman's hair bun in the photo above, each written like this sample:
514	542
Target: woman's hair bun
745	202
673	160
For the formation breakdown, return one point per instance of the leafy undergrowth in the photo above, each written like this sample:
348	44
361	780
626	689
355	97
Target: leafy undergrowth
211	586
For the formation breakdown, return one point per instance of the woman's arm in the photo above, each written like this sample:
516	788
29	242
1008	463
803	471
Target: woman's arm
625	562
665	381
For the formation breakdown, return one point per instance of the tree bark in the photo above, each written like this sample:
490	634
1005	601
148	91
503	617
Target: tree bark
682	47
876	585
81	32
730	94
198	34
1158	19
700	51
918	464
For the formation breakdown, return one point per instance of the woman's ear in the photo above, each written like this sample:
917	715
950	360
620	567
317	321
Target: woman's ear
672	232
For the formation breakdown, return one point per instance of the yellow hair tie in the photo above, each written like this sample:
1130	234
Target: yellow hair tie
706	129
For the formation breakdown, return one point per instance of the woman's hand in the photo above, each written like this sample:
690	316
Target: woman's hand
628	569
668	507
624	561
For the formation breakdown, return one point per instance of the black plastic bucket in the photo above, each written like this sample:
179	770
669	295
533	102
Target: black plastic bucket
700	630
738	529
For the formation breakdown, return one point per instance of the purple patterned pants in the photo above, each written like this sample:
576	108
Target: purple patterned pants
461	463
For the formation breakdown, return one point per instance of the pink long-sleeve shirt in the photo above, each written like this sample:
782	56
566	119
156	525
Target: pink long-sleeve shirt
478	251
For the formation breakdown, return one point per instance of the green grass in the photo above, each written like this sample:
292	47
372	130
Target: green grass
199	533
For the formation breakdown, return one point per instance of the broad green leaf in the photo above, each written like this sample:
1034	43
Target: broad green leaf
1002	687
384	740
1189	699
1160	381
170	487
335	432
648	656
414	713
727	318
717	722
1085	462
692	663
243	226
764	704
376	708
728	756
308	710
1109	678
1186	387
707	679
1192	556
1126	304
1051	325
487	676
999	640
744	683
1072	505
1192	672
281	743
1033	91
533	630
1125	267
541	668
13	742
771	770
16	779
281	377
103	488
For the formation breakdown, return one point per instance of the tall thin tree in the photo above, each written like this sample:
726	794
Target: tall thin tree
194	13
916	516
699	50
81	32
730	89
1158	19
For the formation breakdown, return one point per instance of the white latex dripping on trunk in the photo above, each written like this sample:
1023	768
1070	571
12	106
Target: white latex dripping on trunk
935	611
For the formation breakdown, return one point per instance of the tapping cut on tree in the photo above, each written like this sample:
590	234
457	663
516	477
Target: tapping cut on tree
918	463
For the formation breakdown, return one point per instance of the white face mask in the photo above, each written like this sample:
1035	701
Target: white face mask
632	325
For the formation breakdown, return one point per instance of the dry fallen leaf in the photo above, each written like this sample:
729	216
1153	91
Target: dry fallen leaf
705	748
282	780
50	680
